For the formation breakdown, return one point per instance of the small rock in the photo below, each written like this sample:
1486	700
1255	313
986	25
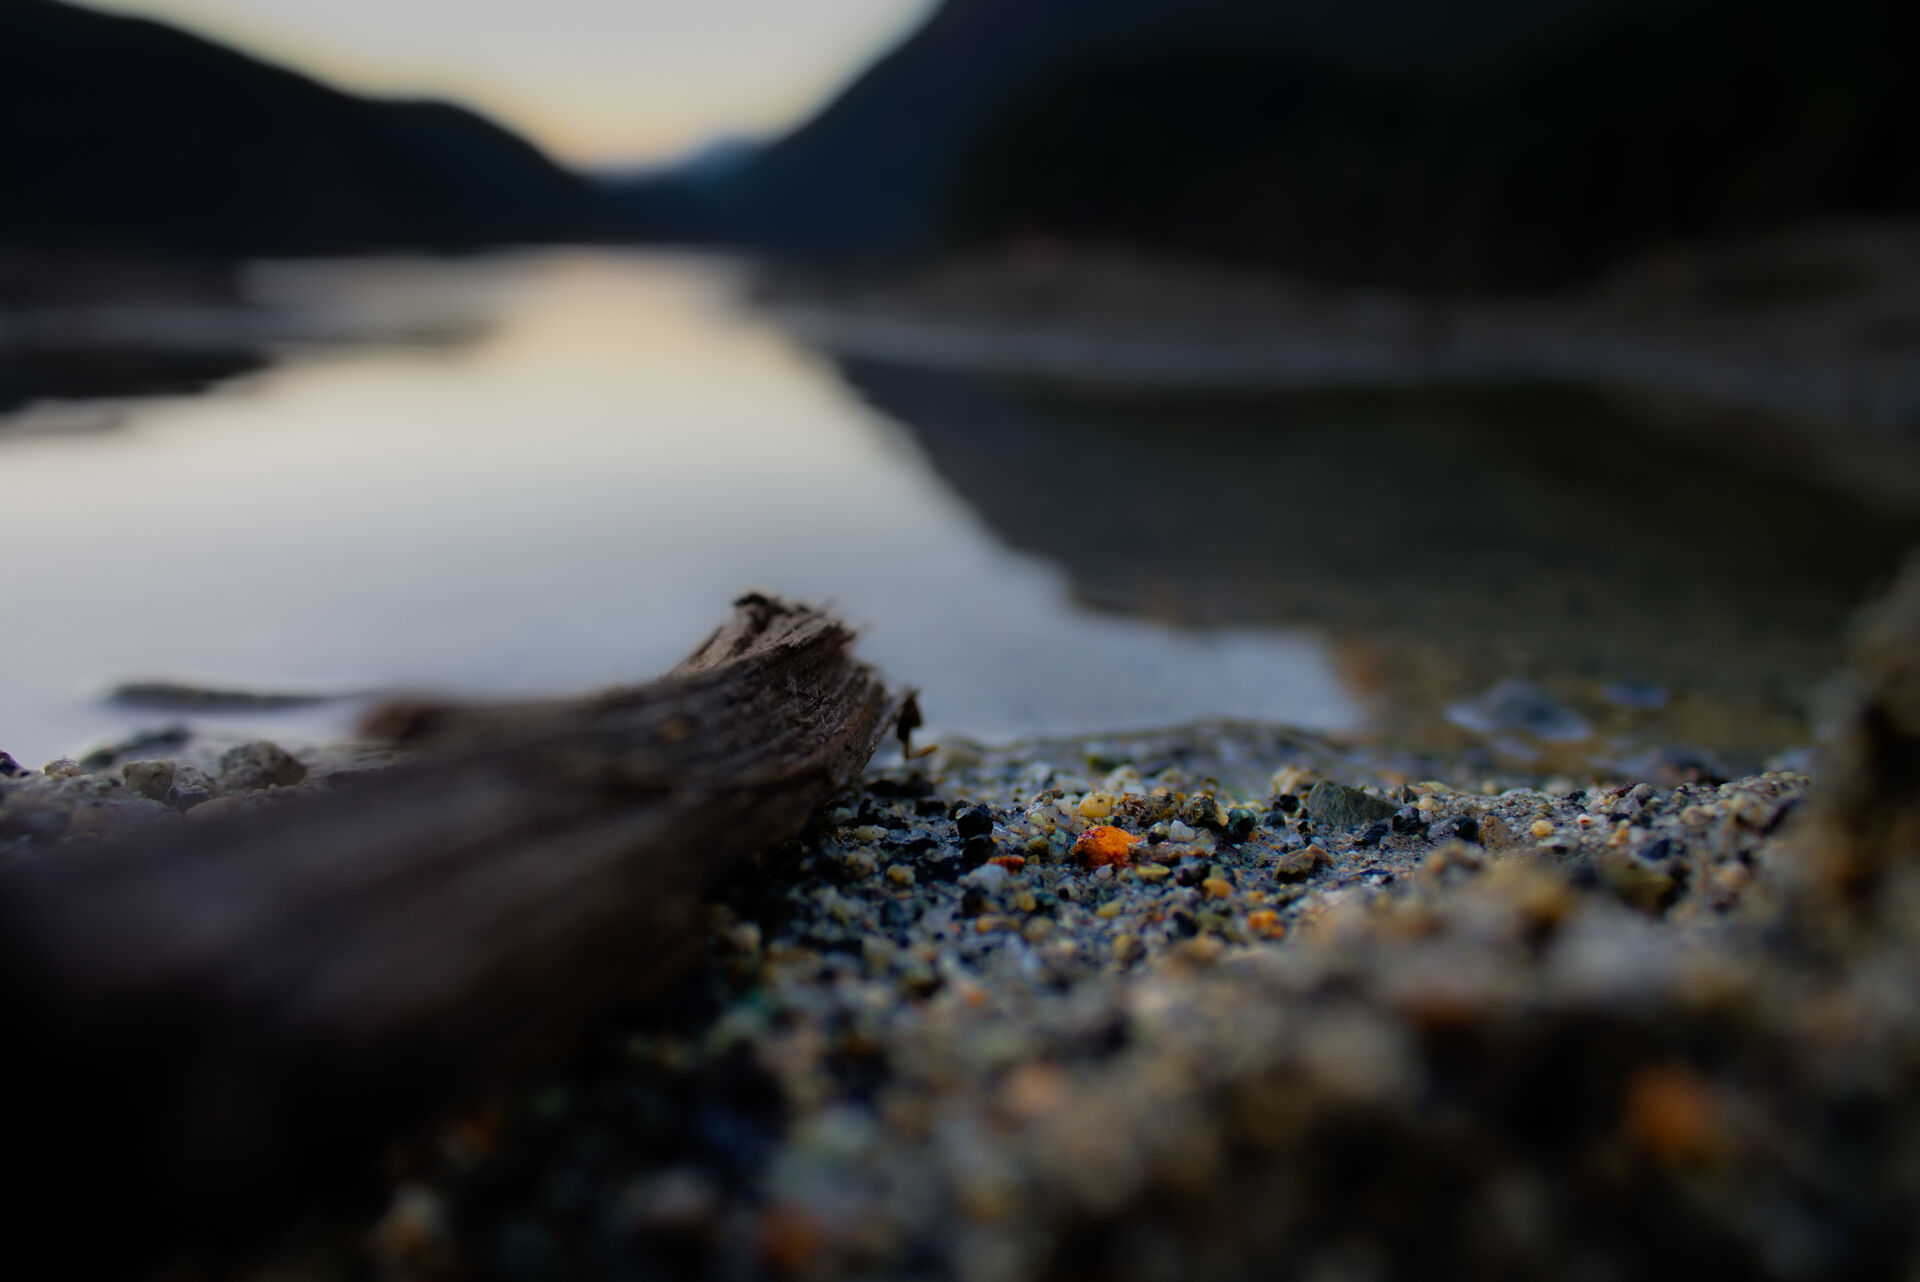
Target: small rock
1373	834
252	767
1203	810
1297	865
1179	833
1105	847
9	768
974	821
989	877
1456	828
61	768
1409	819
1344	807
191	787
1096	806
150	779
1241	823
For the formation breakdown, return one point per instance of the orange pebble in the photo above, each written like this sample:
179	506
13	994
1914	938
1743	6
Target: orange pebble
1217	888
1105	845
1266	922
1670	1115
1012	863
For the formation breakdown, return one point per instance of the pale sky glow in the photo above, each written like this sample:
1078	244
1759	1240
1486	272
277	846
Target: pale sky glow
593	81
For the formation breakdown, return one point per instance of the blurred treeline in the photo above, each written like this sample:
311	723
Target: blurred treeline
1482	144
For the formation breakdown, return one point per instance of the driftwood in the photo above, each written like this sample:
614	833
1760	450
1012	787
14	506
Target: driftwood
202	1024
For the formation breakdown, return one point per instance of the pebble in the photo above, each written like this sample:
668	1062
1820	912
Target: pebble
1298	864
989	877
258	765
1455	828
191	787
150	779
974	821
1339	806
1105	847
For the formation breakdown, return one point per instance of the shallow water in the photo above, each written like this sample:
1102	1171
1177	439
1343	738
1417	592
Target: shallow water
551	472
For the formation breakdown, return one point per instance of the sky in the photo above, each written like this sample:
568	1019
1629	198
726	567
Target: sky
596	82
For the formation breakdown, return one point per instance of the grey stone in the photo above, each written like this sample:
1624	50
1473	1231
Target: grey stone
1339	806
258	765
191	786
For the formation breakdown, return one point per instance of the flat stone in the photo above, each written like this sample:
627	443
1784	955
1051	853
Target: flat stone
1339	806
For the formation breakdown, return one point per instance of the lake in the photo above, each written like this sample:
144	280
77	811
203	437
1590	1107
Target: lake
548	472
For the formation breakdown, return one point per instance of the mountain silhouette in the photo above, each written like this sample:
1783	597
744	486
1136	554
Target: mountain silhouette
125	134
1482	144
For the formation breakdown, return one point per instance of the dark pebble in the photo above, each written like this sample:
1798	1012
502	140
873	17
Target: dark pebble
974	821
1464	827
9	768
1657	850
975	904
1339	806
1286	803
1373	834
1191	873
930	807
977	851
1240	823
1409	819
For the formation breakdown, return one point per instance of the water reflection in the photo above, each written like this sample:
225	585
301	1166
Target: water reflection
550	472
1445	540
567	497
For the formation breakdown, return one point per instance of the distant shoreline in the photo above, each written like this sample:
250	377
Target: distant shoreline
1820	330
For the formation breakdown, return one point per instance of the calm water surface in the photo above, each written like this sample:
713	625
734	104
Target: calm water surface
553	474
